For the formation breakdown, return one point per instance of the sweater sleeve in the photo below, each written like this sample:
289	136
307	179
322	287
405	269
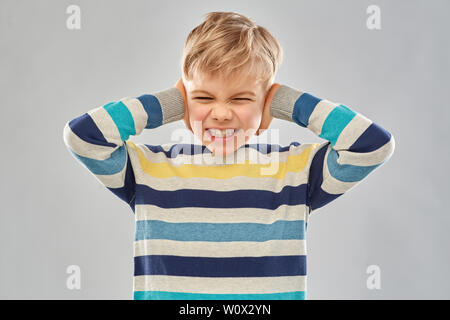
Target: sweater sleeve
96	138
355	145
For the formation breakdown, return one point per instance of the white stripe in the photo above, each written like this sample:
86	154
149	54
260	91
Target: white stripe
219	249
138	113
367	158
106	125
116	180
332	185
319	115
207	159
217	285
352	131
230	184
220	215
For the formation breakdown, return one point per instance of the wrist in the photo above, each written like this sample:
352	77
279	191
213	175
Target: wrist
172	104
283	102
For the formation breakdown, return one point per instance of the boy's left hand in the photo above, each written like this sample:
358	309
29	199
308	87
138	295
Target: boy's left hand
267	118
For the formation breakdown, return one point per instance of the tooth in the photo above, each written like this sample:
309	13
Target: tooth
229	132
221	133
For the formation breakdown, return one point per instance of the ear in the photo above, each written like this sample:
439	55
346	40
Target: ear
267	118
181	88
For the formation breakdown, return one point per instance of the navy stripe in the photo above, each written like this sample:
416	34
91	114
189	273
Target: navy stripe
243	198
133	206
317	197
372	138
86	129
220	232
268	266
193	149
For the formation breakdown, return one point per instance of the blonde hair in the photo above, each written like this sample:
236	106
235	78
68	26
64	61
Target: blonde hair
228	42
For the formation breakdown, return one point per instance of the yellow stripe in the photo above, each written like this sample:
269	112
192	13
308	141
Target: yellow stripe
295	163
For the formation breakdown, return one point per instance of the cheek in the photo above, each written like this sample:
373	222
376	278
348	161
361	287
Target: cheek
250	118
197	115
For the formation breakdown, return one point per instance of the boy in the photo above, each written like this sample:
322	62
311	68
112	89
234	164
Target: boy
207	226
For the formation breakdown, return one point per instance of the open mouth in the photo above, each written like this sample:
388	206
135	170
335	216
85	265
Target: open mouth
220	135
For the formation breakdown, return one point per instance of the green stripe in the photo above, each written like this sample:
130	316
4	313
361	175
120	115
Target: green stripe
166	295
122	117
335	122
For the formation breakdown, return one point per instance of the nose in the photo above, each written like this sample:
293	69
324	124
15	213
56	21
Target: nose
220	112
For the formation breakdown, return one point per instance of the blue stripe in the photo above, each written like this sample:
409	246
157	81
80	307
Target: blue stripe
122	118
166	295
303	108
109	166
372	139
154	111
220	232
112	165
347	172
267	266
335	122
243	198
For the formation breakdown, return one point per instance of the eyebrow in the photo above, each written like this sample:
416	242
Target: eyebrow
236	94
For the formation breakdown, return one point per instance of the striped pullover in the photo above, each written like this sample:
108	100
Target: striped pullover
232	230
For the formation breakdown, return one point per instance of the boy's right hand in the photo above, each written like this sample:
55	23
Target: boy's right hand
180	86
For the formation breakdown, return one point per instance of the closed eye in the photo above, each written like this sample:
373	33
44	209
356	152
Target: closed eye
207	98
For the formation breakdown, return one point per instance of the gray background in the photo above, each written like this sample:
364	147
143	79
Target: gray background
56	214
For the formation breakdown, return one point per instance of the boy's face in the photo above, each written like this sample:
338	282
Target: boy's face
213	102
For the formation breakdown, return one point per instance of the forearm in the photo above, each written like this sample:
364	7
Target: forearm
97	133
344	128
